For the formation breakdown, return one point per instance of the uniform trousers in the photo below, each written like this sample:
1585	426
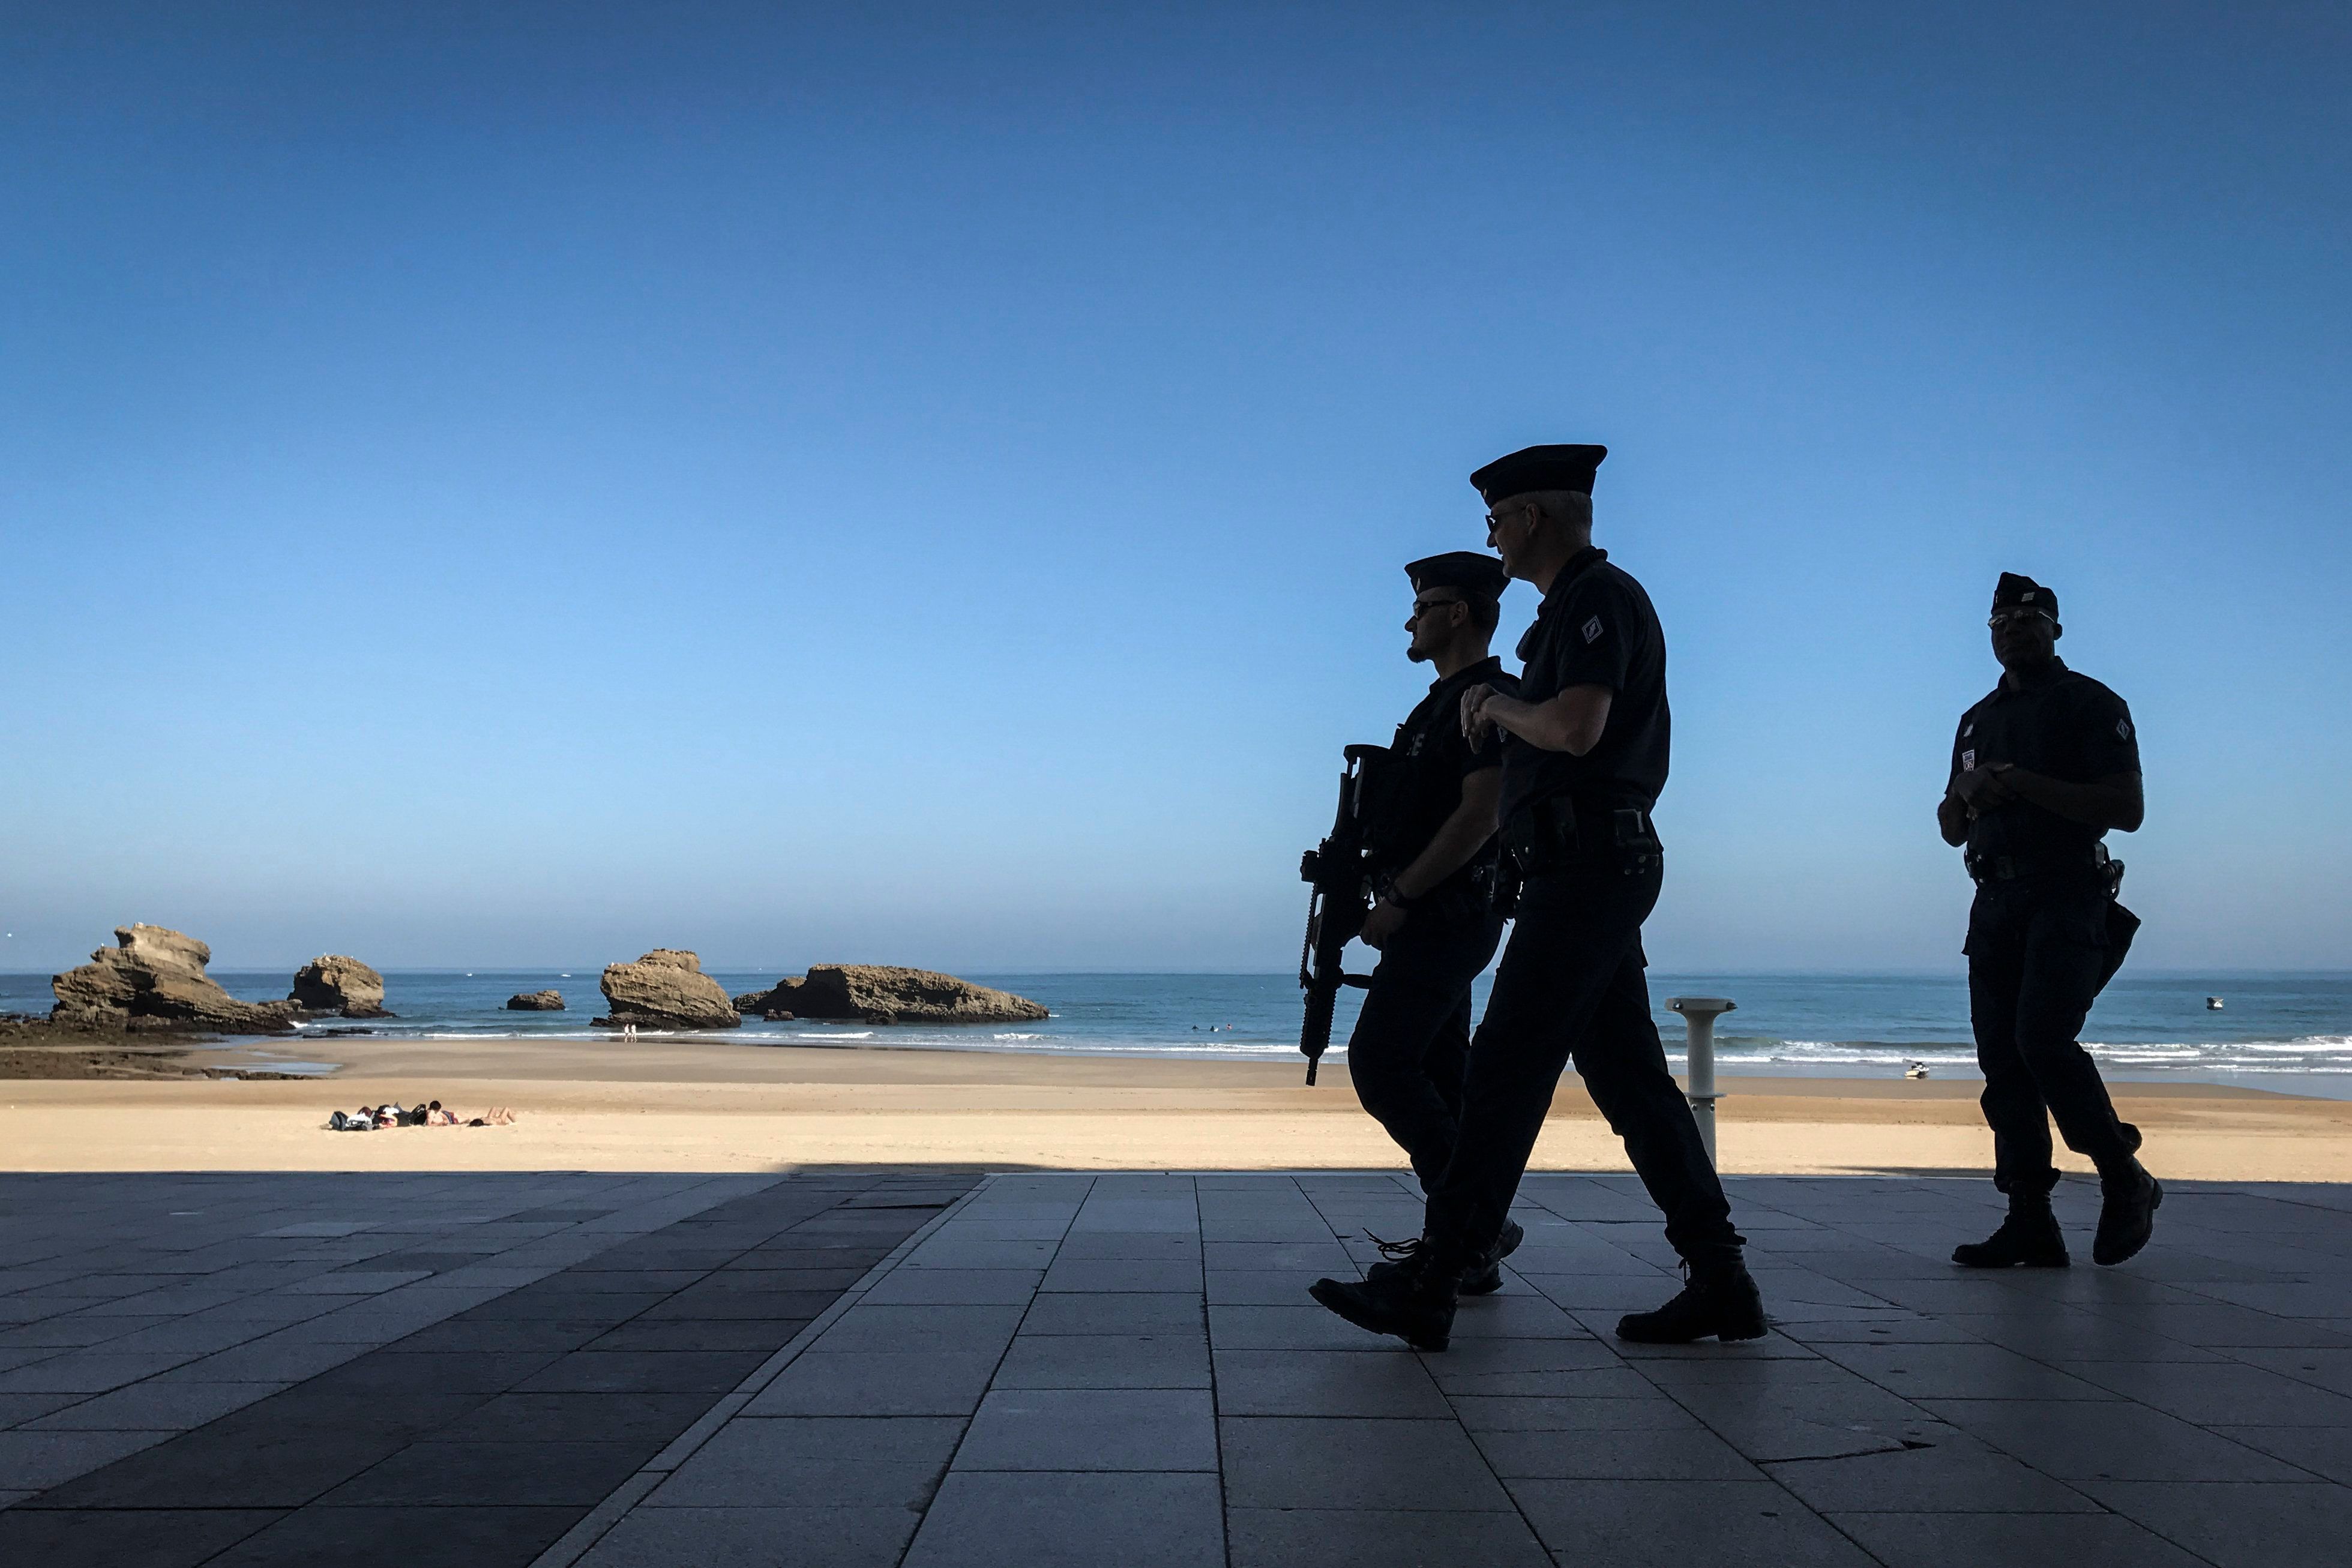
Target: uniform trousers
2037	953
1413	1039
1571	988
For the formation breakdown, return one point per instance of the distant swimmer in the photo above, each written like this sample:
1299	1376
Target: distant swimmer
2042	769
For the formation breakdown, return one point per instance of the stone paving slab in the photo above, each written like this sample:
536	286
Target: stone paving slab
1086	1368
473	1424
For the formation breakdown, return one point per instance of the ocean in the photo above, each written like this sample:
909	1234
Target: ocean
2285	1031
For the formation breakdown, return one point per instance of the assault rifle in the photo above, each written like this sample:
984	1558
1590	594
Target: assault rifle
1337	871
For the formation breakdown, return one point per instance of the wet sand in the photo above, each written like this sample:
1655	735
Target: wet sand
673	1106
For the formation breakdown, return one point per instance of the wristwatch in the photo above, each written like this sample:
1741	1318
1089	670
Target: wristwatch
1385	890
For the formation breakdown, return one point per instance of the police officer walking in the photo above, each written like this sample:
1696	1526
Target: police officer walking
2041	768
1429	828
1583	761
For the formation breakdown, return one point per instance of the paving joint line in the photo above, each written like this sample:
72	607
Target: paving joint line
965	1435
594	1525
1216	1409
1519	1509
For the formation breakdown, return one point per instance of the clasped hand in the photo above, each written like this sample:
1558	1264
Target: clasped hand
1983	789
1476	725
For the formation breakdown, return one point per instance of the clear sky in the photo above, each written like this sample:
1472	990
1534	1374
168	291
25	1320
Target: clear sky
529	483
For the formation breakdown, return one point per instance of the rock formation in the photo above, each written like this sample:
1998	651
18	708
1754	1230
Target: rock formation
664	989
156	978
536	1002
335	984
762	1003
877	993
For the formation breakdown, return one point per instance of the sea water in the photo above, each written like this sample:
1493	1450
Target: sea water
2274	1030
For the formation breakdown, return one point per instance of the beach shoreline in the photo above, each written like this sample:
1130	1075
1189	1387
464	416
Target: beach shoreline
675	1105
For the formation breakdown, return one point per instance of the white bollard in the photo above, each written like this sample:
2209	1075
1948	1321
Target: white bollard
1699	1014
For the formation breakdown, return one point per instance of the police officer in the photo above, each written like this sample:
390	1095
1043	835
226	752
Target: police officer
1583	760
1430	833
2041	768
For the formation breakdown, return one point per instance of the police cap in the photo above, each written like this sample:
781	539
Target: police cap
1539	468
2015	593
1475	575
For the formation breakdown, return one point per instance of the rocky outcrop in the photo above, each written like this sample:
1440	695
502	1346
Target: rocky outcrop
664	989
535	1002
335	984
154	976
761	1004
877	993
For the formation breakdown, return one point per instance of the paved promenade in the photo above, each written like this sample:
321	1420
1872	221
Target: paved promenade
940	1369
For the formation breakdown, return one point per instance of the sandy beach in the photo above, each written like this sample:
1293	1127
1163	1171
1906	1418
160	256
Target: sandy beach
601	1104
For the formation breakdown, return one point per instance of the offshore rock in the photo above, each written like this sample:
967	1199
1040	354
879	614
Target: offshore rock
154	976
664	989
880	993
536	1002
775	1005
765	1004
335	984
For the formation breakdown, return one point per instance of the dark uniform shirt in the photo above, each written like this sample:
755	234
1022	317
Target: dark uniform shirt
1596	627
2061	723
1421	785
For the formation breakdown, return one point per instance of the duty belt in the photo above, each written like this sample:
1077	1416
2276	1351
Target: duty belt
2093	862
1559	832
1467	894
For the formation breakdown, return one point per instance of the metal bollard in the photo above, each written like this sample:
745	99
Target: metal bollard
1699	1014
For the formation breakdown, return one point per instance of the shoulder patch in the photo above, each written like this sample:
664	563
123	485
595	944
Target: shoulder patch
1967	729
1592	630
2123	728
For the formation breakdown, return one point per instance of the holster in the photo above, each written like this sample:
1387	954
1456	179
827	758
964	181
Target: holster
2122	924
1502	885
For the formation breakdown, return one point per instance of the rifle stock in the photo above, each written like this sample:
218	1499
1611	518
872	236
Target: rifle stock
1336	871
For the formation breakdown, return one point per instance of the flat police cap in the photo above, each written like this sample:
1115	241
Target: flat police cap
1539	468
2015	593
1478	575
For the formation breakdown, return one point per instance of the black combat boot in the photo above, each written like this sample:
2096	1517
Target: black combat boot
1486	1277
1414	1300
2027	1239
1719	1302
1481	1278
2128	1215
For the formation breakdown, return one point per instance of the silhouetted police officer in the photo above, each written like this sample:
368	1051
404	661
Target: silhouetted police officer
1584	760
2041	768
1430	828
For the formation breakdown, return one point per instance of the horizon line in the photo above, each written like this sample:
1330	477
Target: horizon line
591	969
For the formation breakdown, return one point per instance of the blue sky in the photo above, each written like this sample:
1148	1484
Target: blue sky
530	484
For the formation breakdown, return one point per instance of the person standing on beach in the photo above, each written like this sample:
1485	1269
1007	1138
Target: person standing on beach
1430	827
2041	768
1583	762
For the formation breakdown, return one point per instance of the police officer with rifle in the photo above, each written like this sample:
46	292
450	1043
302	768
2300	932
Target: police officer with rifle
1425	809
1584	760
